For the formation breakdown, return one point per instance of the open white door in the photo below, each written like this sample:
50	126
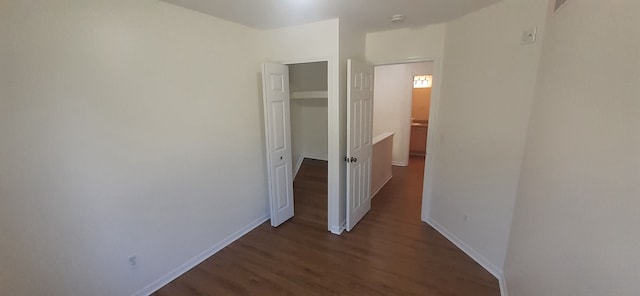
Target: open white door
275	85
359	130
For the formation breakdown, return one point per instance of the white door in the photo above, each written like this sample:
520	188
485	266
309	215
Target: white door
275	85
359	129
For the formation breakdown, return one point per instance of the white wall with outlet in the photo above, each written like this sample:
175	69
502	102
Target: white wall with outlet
576	221
119	137
487	90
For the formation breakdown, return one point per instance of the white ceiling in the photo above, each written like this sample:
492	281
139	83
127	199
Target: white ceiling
367	15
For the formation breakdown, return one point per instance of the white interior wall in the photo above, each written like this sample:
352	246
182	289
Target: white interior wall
297	135
576	220
4	63
393	92
315	127
124	125
4	54
381	159
308	76
487	88
309	126
4	145
56	233
404	45
293	45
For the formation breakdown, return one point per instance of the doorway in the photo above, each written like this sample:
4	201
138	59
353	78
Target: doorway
277	97
393	94
309	141
402	106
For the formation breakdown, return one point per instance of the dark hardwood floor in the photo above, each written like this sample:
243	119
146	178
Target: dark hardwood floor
310	193
390	252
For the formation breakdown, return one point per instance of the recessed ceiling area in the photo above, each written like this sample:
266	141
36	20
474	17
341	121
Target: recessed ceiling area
366	15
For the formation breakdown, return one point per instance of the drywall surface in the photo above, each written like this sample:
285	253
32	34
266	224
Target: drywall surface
299	44
125	123
308	77
309	129
309	125
403	45
575	226
392	100
315	125
4	131
487	89
297	135
4	48
315	42
381	168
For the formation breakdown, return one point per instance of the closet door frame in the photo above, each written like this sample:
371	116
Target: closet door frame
334	120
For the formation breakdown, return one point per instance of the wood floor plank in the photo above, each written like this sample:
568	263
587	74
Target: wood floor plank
390	252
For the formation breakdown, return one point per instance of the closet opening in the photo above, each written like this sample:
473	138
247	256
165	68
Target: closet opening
308	83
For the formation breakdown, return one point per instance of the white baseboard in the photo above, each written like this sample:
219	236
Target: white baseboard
503	286
400	163
180	270
490	267
316	157
301	159
298	165
381	186
337	230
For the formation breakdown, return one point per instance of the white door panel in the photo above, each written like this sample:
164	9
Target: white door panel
281	189
359	137
278	137
278	111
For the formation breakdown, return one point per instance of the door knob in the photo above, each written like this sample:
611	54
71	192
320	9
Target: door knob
354	159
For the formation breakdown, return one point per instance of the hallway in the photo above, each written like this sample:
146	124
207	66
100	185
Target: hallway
390	252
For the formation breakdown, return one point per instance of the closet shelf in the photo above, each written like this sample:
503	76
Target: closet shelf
301	95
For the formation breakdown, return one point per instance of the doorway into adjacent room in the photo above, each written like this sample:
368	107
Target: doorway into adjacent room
402	108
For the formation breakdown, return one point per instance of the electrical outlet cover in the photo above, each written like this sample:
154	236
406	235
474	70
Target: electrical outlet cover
529	36
133	260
